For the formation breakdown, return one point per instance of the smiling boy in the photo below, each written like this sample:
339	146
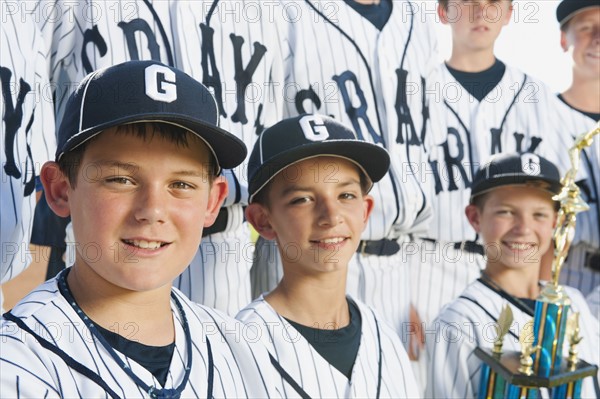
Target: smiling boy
511	208
308	182
138	170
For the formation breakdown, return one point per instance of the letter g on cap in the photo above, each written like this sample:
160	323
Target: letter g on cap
530	164
314	128
160	83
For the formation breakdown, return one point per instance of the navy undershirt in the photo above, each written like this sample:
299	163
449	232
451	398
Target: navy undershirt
155	359
339	347
377	14
479	84
529	302
592	115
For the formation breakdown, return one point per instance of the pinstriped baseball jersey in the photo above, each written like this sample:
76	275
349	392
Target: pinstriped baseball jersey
468	322
374	81
27	134
439	272
88	35
239	368
513	117
223	44
578	271
381	362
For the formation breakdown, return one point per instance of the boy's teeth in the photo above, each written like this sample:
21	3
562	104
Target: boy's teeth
332	240
146	244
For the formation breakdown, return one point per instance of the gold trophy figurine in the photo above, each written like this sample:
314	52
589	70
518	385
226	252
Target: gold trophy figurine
574	338
571	203
527	348
552	306
503	324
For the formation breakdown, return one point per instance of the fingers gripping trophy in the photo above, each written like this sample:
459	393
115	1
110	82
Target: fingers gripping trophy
541	364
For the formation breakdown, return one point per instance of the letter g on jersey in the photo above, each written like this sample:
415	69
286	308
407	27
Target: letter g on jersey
160	84
314	128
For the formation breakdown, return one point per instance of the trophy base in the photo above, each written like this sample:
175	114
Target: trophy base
507	365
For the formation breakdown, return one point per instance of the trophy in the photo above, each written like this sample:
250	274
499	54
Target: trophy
540	362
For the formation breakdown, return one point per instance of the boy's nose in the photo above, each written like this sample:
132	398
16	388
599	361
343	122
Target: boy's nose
151	205
596	34
478	8
328	213
522	224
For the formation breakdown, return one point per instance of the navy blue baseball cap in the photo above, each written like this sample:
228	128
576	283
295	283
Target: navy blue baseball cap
516	169
146	91
307	136
568	8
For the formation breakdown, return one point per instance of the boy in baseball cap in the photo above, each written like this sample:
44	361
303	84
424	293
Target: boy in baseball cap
577	111
512	209
137	169
309	178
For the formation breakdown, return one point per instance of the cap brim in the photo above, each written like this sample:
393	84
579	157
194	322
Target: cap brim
551	186
569	11
228	150
371	159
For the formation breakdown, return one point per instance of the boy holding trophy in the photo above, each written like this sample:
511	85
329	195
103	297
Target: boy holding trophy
513	211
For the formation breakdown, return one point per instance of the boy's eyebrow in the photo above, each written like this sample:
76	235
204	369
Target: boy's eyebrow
128	166
293	187
132	167
191	173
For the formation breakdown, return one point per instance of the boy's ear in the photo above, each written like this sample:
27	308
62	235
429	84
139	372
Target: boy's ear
218	193
563	41
56	189
369	204
257	215
508	15
555	219
473	216
443	14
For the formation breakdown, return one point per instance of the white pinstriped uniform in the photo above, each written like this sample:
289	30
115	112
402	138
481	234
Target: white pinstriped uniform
518	108
468	322
27	135
219	274
241	369
571	123
343	66
316	376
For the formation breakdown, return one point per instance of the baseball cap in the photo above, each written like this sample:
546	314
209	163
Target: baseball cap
306	136
568	8
514	168
146	91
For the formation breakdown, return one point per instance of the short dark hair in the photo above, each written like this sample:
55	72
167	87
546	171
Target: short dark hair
70	162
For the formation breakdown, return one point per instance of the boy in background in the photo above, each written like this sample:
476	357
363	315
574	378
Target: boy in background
577	111
484	107
308	182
